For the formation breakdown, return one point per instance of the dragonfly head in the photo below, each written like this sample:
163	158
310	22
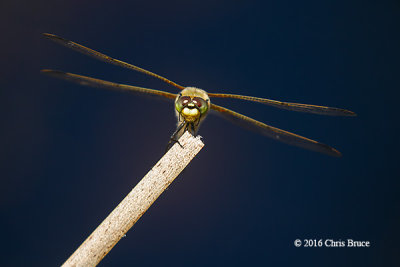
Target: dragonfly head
192	104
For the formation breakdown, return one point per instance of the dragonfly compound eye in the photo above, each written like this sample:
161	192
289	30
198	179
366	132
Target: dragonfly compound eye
185	100
201	104
182	102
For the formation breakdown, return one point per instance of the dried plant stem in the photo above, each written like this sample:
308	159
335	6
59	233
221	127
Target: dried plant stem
135	204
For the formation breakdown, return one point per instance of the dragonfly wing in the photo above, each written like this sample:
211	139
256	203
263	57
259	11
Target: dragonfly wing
274	133
92	53
290	106
93	82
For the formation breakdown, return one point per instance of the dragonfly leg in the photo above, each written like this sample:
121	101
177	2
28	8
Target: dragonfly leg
174	138
198	120
191	129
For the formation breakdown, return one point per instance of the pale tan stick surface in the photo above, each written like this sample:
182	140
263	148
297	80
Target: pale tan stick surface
135	204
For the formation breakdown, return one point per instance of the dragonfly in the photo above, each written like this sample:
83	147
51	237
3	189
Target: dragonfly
193	104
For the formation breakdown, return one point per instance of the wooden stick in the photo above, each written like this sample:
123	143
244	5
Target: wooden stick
135	204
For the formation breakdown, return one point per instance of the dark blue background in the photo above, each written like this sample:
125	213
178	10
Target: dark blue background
69	154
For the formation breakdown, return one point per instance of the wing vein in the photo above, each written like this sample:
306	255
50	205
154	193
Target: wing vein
274	133
93	82
102	57
322	110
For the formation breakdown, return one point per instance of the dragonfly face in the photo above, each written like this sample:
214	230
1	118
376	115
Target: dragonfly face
191	108
193	104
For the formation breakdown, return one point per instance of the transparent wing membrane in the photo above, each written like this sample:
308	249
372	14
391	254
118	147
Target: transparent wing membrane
93	82
274	133
90	52
242	120
290	106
